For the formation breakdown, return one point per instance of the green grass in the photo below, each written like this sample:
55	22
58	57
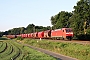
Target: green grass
1	43
35	55
10	52
3	47
3	38
15	51
20	50
79	51
7	52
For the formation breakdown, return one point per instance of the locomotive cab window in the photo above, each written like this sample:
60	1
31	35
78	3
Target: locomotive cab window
68	30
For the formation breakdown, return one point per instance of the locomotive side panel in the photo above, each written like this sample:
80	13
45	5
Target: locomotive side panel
56	33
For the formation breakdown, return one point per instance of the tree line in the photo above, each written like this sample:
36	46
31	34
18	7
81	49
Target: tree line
22	30
78	20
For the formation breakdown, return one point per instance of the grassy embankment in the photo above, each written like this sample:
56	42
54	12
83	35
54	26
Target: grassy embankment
79	51
10	50
3	38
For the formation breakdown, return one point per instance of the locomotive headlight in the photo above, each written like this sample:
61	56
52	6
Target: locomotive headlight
71	33
67	33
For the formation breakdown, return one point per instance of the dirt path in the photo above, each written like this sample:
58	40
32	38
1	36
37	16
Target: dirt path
56	55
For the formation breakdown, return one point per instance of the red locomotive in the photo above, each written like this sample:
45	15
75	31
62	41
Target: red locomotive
65	33
62	33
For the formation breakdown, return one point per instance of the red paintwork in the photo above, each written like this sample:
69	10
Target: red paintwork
26	35
29	35
56	33
11	36
22	35
64	32
32	35
35	35
69	32
41	34
47	34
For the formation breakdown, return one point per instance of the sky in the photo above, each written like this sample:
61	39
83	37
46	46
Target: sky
21	13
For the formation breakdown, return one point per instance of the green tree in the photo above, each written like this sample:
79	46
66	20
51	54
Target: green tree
22	29
61	19
80	20
39	28
82	11
1	34
30	28
5	33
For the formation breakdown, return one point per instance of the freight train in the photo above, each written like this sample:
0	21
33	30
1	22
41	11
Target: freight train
64	33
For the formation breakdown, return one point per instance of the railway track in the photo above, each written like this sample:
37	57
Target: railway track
72	41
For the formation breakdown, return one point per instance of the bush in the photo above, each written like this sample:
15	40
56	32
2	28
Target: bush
88	31
84	37
19	38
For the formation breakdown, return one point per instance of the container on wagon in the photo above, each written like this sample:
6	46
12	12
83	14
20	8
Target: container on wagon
41	34
47	34
11	36
32	35
29	35
35	35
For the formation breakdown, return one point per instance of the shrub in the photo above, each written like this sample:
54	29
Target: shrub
19	38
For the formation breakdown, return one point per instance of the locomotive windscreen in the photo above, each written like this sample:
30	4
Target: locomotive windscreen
68	30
